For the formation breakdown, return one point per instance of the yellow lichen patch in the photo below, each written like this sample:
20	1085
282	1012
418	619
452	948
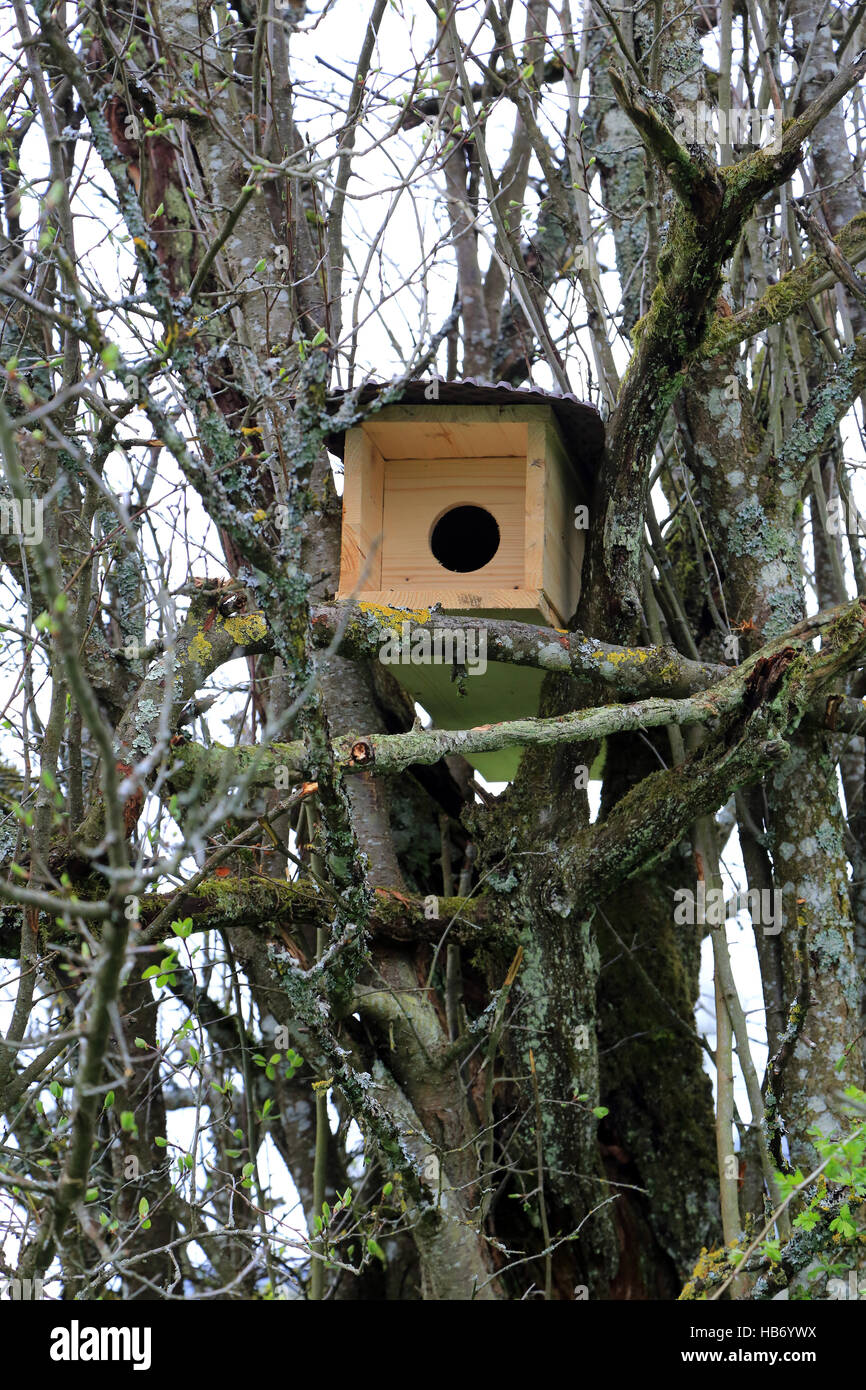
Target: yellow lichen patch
246	628
384	614
709	1262
617	658
200	649
669	672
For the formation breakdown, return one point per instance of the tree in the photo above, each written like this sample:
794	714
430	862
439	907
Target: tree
295	1005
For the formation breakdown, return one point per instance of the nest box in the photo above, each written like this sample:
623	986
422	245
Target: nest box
469	500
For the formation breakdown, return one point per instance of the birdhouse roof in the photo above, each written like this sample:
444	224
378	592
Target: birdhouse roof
580	423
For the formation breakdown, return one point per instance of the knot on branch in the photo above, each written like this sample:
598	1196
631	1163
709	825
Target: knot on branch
363	754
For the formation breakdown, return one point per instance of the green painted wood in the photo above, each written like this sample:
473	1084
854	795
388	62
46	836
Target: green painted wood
492	696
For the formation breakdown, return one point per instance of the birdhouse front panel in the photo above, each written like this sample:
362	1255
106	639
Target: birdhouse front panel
463	516
468	507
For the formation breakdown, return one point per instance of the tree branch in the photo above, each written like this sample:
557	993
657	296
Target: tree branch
844	646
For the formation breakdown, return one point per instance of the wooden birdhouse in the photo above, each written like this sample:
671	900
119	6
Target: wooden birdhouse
476	500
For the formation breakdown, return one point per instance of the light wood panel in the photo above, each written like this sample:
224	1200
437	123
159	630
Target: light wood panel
449	431
361	543
522	605
563	543
416	494
534	504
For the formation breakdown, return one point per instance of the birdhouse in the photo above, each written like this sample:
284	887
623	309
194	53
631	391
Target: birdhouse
477	500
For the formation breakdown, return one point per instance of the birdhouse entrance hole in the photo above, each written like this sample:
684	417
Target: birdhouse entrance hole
465	539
